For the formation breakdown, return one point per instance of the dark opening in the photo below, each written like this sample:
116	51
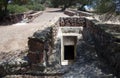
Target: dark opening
69	52
117	40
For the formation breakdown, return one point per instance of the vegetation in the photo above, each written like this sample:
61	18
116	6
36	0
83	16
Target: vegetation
68	3
86	2
64	3
19	6
3	8
35	7
104	6
20	2
3	5
16	9
100	6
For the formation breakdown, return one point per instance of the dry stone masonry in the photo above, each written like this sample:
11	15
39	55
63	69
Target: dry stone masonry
70	13
88	35
73	22
75	47
106	45
39	45
78	13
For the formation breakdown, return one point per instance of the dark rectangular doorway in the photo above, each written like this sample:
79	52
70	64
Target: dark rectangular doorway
68	52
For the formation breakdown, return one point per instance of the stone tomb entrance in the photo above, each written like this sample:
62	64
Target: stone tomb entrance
69	38
57	44
68	51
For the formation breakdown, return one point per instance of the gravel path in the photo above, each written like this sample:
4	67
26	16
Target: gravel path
15	37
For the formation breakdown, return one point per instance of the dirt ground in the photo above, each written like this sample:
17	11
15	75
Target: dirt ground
15	37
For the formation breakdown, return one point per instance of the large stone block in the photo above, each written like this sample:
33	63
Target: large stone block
2	71
35	57
39	45
70	13
35	45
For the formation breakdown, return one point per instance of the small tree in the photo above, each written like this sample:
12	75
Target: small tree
3	5
68	3
105	6
64	3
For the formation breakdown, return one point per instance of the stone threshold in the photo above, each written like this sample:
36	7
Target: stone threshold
39	74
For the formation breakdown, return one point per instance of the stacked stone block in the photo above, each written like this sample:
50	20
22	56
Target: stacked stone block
70	13
71	21
81	13
39	45
78	13
36	48
55	29
105	44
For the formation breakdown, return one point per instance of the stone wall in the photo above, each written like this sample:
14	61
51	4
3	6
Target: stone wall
78	13
105	44
55	29
36	50
11	19
70	13
40	46
44	46
82	13
30	16
24	17
71	21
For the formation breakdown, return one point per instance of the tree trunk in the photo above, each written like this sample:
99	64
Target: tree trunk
6	4
67	4
82	7
64	8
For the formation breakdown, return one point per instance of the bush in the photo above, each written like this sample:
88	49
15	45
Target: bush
105	6
36	7
17	9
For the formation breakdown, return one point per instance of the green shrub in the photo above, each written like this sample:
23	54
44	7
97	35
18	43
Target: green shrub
17	9
36	7
105	6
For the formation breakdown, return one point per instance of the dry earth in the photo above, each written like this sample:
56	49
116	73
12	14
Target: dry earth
15	37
